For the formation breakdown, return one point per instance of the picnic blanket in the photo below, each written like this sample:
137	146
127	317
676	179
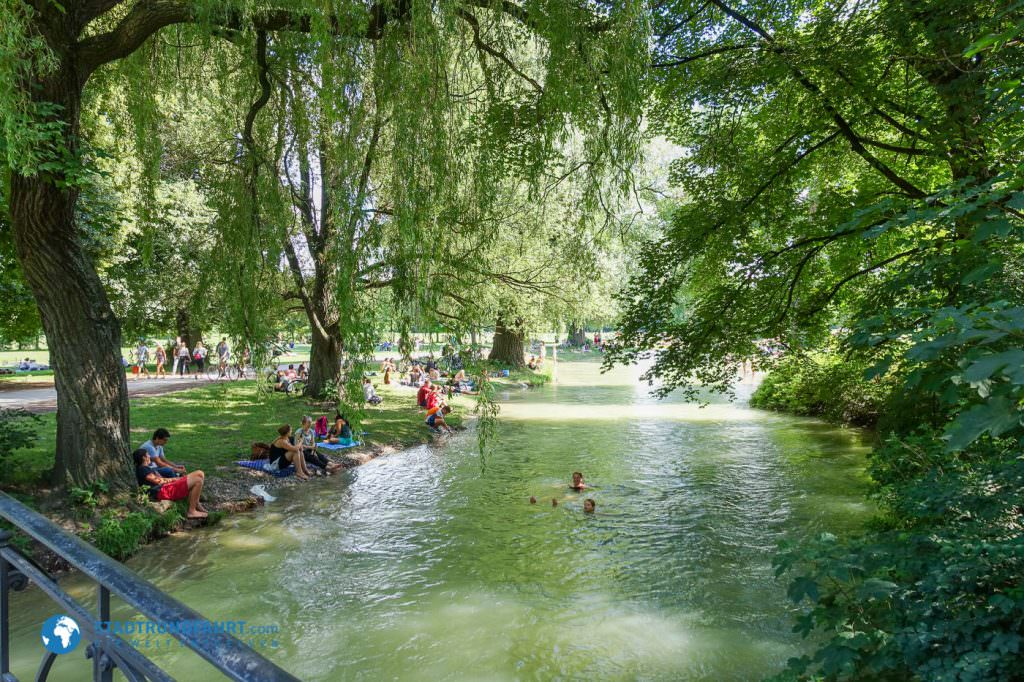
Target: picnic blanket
262	464
339	446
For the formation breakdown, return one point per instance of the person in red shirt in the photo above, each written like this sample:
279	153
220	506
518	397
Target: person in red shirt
421	395
433	401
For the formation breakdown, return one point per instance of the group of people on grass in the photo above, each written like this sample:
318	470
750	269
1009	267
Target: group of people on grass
287	379
298	448
577	485
430	398
166	480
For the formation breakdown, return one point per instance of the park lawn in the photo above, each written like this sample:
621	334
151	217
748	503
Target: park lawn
39	376
213	425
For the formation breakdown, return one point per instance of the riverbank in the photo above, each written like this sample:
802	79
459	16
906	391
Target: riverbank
438	554
212	426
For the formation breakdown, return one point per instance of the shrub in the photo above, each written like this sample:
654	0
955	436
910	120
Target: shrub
120	536
934	591
827	385
18	429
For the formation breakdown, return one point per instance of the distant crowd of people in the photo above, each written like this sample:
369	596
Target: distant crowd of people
183	360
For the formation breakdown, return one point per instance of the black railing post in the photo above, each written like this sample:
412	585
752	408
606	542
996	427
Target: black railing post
4	607
102	669
5	595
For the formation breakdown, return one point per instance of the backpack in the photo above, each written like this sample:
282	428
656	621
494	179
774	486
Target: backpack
320	428
259	451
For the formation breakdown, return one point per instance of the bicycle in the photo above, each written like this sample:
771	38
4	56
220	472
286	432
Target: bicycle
296	387
229	372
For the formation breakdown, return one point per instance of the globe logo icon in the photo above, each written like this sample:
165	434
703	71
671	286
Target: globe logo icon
60	634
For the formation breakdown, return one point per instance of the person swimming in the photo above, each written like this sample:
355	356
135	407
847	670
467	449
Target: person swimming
533	500
589	505
577	481
554	502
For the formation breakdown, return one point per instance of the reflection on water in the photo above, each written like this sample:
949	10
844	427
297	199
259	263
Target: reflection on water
431	564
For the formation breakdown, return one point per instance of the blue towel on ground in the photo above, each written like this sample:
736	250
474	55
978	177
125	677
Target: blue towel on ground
262	464
338	446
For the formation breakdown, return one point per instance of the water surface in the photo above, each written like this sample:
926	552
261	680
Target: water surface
431	564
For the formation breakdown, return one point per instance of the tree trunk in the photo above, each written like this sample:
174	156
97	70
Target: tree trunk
577	336
507	347
324	363
83	336
186	330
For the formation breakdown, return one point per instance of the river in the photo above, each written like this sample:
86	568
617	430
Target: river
432	564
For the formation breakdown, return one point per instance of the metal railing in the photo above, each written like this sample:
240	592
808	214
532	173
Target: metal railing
107	651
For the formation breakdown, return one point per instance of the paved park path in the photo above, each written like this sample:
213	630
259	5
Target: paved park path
40	396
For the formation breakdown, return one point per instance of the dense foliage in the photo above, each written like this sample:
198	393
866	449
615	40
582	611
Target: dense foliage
853	172
826	384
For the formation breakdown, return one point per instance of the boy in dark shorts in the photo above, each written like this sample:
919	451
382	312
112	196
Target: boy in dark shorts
435	419
189	486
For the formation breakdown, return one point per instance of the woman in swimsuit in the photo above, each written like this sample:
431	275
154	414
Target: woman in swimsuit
283	453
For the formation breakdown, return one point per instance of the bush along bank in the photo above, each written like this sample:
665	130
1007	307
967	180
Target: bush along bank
827	385
933	587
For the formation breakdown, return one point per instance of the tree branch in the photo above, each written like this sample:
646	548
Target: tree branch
679	61
470	19
844	126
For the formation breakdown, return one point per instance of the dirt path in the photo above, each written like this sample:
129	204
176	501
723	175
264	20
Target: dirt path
40	396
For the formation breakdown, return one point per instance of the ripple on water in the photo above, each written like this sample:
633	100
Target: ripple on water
431	564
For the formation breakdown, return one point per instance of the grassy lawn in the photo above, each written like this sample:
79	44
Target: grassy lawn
214	425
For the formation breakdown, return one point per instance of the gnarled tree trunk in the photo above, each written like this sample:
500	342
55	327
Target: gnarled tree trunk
82	333
507	347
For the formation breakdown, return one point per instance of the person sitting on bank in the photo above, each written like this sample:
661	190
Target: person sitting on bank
341	432
305	438
283	383
155	448
435	375
577	481
435	418
173	489
421	395
283	453
532	364
370	393
461	384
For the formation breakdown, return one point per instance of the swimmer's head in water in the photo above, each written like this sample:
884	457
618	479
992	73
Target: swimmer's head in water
554	502
577	479
589	505
533	500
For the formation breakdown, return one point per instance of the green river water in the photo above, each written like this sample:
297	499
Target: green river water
431	564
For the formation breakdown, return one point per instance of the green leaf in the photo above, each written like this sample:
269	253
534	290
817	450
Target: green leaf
985	367
803	587
997	416
874	588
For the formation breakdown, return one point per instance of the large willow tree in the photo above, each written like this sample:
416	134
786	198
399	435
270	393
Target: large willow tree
581	73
